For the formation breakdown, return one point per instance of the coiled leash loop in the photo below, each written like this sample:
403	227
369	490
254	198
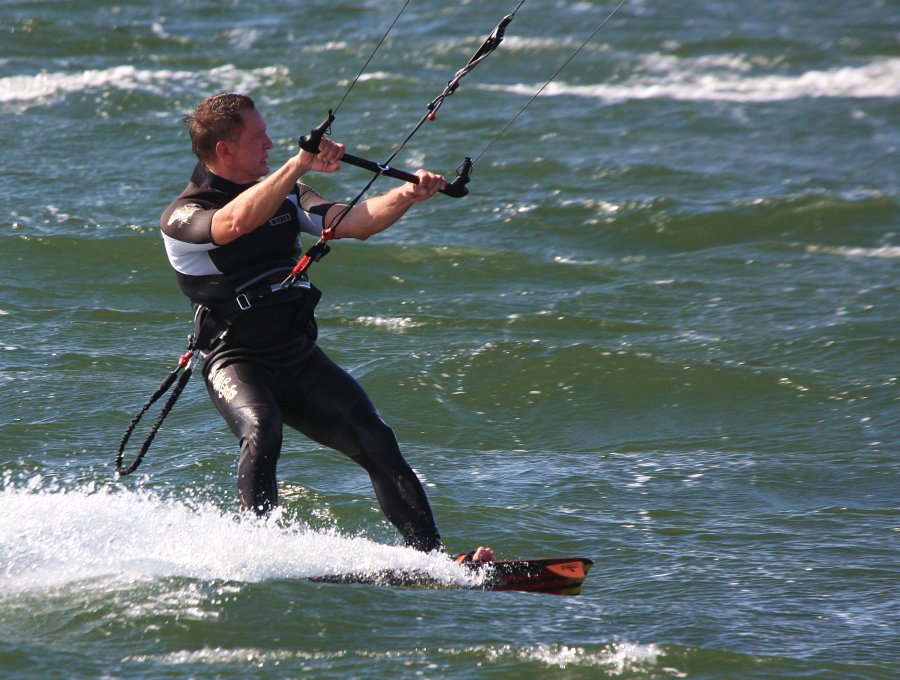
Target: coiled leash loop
185	363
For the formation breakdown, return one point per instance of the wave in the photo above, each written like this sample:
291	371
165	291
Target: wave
50	86
614	659
709	78
832	223
727	78
883	252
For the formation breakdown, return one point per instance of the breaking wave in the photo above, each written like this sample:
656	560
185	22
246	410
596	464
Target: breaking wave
48	87
729	78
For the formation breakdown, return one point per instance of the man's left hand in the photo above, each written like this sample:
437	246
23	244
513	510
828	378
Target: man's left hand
429	184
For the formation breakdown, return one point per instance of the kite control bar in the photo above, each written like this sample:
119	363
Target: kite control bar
455	189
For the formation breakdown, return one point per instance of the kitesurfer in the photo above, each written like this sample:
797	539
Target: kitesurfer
232	237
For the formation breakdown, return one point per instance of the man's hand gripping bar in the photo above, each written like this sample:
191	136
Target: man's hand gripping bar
456	189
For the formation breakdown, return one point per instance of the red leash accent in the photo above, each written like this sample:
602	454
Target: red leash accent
314	254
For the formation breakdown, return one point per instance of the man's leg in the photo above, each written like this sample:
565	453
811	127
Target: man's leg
242	394
337	413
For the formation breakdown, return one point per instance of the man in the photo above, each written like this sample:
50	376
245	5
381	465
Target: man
232	238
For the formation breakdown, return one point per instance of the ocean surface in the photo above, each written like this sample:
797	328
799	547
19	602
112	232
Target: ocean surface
661	332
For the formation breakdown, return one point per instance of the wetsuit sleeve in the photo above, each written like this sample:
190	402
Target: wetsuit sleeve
310	200
187	234
312	209
188	221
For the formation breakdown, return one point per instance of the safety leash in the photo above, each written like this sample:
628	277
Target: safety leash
185	367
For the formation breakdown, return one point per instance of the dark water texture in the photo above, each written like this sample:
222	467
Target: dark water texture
660	332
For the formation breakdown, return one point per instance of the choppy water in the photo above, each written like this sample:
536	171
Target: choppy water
661	332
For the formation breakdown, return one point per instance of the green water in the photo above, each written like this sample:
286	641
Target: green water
661	332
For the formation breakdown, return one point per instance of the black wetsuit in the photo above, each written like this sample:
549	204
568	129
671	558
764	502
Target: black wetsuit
268	370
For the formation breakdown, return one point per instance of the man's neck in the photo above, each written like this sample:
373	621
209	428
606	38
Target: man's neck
204	176
225	173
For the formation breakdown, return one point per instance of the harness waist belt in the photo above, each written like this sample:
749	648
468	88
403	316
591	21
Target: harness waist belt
247	298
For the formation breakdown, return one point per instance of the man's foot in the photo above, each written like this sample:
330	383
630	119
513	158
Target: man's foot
480	554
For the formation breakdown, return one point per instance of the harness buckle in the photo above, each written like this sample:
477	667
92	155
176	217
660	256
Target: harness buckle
243	302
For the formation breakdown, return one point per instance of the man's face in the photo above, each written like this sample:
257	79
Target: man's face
250	153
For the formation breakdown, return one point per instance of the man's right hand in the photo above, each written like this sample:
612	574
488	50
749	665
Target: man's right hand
326	160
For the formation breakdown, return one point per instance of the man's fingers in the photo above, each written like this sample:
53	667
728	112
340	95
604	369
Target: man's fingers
330	151
430	183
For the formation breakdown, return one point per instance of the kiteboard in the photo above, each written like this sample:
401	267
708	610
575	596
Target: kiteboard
551	575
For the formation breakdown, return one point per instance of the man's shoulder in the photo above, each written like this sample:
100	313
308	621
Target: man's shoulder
188	216
199	192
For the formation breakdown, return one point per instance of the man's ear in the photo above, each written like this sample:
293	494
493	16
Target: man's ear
223	150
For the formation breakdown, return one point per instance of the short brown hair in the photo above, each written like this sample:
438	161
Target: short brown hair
216	119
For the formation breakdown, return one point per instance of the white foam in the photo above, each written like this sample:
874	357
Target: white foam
617	658
51	537
514	43
50	86
393	323
658	76
730	78
883	252
240	656
377	75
